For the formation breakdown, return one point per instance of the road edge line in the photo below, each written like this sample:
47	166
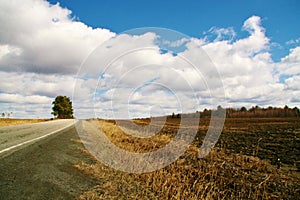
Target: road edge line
35	139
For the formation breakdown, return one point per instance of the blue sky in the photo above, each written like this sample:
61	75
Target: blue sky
191	17
246	51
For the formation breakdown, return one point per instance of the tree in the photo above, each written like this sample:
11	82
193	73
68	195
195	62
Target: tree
243	109
62	107
3	114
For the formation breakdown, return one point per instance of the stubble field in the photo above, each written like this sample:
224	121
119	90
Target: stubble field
243	165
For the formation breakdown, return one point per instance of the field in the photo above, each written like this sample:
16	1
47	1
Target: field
255	158
266	138
11	122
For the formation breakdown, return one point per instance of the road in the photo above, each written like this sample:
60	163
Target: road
37	162
15	137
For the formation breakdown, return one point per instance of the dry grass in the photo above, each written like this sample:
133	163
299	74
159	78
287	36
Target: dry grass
218	176
113	184
11	122
132	144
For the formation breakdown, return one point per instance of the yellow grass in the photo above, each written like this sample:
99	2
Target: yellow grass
11	122
133	144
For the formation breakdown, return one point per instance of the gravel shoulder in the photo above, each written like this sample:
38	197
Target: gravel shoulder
45	169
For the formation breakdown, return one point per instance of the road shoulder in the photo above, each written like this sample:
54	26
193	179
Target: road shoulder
45	169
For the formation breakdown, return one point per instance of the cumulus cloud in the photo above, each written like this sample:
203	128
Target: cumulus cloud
128	64
133	75
256	42
290	64
245	65
42	38
293	57
292	83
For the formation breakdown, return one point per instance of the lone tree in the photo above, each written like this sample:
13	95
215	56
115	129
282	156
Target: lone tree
62	107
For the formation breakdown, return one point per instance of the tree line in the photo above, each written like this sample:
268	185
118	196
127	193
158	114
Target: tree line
256	111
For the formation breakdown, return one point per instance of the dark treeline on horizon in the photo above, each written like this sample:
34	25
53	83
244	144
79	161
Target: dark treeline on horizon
263	112
254	111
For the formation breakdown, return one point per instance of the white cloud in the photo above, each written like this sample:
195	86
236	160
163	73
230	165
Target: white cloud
293	41
293	83
36	90
40	56
176	43
290	64
256	42
42	38
222	33
36	84
293	57
20	99
246	68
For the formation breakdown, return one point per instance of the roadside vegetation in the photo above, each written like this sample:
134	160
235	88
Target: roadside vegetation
11	122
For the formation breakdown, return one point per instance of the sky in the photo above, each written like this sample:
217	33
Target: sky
102	54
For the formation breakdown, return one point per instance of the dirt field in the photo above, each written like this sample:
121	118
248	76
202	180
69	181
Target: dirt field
11	122
243	164
267	138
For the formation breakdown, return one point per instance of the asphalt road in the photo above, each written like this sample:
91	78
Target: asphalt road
37	162
15	137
